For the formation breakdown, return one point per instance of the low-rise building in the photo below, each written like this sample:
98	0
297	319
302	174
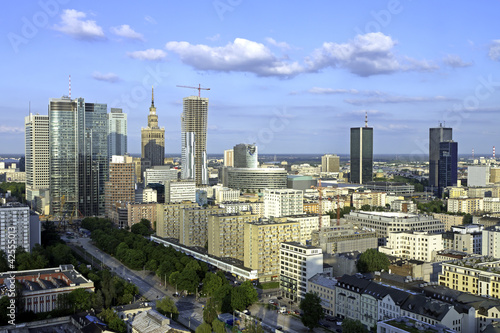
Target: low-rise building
345	237
324	286
406	324
373	199
448	220
416	245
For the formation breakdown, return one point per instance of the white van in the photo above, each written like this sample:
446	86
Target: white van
283	310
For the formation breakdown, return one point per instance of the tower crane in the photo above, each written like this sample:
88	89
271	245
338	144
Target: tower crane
199	88
320	201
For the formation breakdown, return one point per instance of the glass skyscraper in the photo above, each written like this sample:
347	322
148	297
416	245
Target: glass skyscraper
447	165
117	133
436	136
361	155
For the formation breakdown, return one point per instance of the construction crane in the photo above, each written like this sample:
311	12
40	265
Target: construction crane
199	88
320	201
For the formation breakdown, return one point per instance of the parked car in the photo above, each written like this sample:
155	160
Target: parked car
175	294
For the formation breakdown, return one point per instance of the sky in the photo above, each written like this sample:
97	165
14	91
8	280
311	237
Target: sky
290	76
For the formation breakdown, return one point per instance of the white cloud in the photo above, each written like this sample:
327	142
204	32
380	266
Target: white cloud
242	55
149	19
214	38
72	24
331	91
495	50
455	61
11	129
281	45
386	99
108	77
126	31
149	54
393	127
366	55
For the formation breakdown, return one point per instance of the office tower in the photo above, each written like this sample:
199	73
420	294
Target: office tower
160	174
447	165
228	158
78	156
37	156
245	156
362	154
478	175
436	136
15	226
120	185
330	163
180	191
194	139
153	138
117	133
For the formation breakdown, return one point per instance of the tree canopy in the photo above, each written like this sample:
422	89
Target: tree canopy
371	260
312	311
353	326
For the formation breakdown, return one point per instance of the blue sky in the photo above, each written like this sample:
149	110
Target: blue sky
291	76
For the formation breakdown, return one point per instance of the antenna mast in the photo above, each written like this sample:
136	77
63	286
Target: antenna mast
70	86
366	118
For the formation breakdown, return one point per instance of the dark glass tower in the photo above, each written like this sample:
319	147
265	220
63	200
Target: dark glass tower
447	165
436	136
361	154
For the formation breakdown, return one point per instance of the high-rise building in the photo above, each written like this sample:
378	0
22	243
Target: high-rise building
330	163
15	226
120	186
228	158
194	139
180	191
117	133
245	156
283	202
153	138
78	156
447	165
361	154
37	156
436	136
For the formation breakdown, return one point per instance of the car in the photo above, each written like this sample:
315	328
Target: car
280	298
279	328
176	294
297	312
272	301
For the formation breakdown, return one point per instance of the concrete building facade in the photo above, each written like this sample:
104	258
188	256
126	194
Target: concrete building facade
153	138
283	202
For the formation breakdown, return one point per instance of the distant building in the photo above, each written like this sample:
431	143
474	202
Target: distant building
413	245
436	136
392	188
465	205
447	165
448	220
478	175
298	264
330	163
120	185
491	242
229	158
361	154
345	237
300	182
246	156
160	174
283	202
247	179
179	191
117	133
153	138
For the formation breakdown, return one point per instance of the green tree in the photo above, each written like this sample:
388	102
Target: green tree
353	326
371	260
211	283
253	327
312	311
98	300
114	322
4	265
210	312
243	296
188	280
166	307
4	303
80	299
218	326
467	219
222	297
366	208
204	328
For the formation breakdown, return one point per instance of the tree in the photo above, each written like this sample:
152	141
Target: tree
253	327
209	312
353	326
114	322
222	297
467	219
243	296
4	265
80	299
98	300
218	326
371	260
211	283
167	307
204	328
312	310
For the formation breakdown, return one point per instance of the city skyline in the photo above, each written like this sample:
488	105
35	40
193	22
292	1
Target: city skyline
289	85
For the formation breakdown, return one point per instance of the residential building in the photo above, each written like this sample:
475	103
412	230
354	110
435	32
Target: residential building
413	245
436	136
193	227
225	194
226	235
256	207
405	206
447	165
406	324
138	211
345	237
330	163
465	205
457	192
78	135
169	218
283	202
262	244
298	263
247	179
194	139
491	242
309	223
120	185
448	220
41	287
478	175
385	223
180	191
372	199
15	227
160	174
494	175
361	154
348	297
229	158
117	133
467	238
324	286
37	156
246	156
153	138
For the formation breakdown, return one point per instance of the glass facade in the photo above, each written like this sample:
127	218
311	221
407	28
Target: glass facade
361	155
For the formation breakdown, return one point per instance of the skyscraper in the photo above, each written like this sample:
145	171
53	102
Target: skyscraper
37	155
120	185
78	156
361	154
436	136
229	158
447	165
153	138
117	133
330	163
245	156
194	139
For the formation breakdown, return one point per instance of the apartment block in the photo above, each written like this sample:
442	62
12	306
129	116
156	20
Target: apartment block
298	263
180	191
120	185
194	225
226	234
309	223
15	227
464	238
448	220
138	211
465	205
169	218
256	207
225	194
345	237
413	245
283	202
491	242
377	199
262	246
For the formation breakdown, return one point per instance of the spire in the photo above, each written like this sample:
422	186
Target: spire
152	97
366	118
